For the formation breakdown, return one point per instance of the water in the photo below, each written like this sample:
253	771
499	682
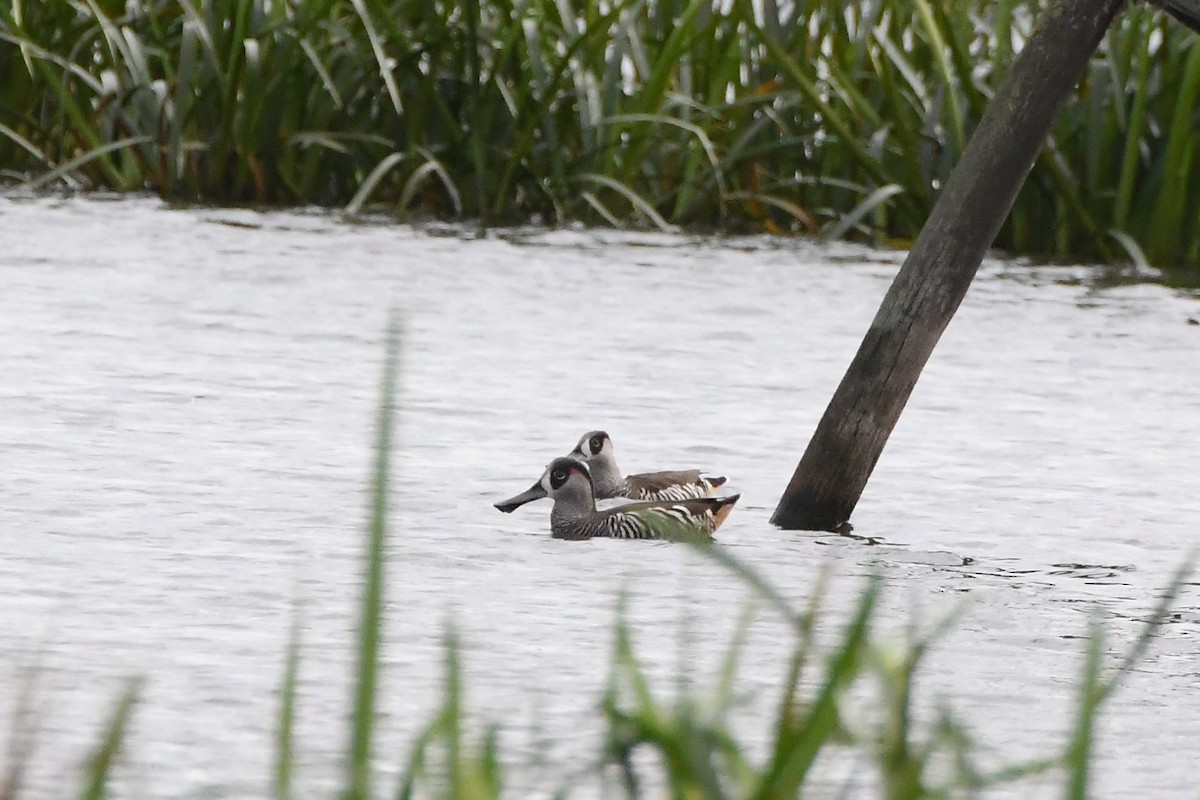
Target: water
187	410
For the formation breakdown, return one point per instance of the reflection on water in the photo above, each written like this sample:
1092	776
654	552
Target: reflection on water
187	410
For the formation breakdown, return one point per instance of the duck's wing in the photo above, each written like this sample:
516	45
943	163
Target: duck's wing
672	485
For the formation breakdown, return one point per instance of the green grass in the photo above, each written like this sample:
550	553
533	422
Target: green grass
698	753
735	116
104	756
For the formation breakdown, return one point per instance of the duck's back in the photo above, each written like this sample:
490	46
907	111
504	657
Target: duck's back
672	485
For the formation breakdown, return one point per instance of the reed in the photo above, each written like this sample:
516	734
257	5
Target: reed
370	631
701	756
285	724
819	117
99	766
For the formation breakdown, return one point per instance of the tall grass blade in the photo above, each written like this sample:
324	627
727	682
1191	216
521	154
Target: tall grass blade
63	171
1095	689
23	143
942	52
800	738
1134	131
710	151
1179	165
431	167
635	200
358	778
104	757
285	762
466	773
1079	751
381	58
22	735
601	209
800	215
871	202
372	181
1167	601
801	624
839	126
1132	249
35	54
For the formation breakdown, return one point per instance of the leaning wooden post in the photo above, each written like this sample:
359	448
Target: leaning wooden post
939	268
1186	11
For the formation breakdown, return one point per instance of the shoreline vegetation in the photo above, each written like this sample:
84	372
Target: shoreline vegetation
684	746
735	116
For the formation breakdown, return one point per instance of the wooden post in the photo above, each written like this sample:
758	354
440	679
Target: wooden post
1186	11
939	268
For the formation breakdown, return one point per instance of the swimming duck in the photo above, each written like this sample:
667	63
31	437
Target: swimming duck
595	449
568	482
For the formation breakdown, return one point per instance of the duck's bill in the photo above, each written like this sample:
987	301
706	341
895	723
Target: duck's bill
535	492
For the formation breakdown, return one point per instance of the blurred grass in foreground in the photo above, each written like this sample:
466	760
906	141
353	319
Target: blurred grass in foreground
748	115
698	755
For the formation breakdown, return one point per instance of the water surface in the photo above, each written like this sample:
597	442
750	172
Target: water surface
185	425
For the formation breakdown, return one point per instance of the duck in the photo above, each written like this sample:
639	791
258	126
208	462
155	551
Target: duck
595	448
568	481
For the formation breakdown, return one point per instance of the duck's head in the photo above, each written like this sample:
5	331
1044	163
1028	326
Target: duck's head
593	445
564	477
596	450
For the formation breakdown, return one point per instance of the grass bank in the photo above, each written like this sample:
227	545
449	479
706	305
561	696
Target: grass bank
817	117
695	751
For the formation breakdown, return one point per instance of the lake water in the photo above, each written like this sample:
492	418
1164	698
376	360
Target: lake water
186	416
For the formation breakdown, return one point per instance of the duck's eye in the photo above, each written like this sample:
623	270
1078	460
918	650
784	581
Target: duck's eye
597	444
